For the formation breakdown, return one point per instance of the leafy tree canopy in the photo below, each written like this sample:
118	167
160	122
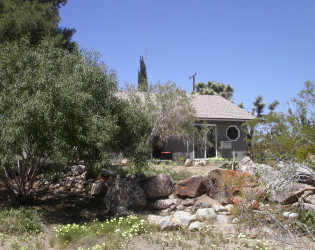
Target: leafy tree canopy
167	109
214	88
52	102
35	19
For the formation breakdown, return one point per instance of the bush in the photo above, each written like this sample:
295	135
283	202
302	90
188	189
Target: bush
20	221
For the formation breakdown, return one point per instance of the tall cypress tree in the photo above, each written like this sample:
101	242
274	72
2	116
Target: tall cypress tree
142	76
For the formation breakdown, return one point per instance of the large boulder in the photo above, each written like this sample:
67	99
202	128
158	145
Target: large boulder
288	192
191	187
221	184
158	186
123	195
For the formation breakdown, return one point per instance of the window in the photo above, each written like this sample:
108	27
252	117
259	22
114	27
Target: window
233	133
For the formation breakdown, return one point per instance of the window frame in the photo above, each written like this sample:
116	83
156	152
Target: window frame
238	130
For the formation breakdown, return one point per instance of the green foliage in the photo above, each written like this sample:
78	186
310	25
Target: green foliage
215	88
306	222
142	76
116	231
289	136
20	221
167	112
55	106
35	19
259	105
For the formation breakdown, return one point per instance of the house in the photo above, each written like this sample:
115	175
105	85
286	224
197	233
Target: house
223	120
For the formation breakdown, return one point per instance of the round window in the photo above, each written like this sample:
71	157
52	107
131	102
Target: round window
233	133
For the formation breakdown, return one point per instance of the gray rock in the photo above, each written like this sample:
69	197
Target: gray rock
78	169
162	204
290	215
188	163
188	202
182	217
219	208
204	214
308	197
106	173
158	186
159	220
195	226
223	219
124	193
286	192
304	206
204	201
170	225
98	188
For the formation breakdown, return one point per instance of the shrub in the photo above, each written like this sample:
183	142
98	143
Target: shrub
20	221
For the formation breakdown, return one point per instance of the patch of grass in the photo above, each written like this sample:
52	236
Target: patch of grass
115	233
20	221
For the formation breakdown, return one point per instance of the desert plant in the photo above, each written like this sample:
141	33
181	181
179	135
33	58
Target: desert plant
20	221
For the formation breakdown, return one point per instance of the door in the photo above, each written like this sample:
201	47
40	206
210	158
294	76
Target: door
205	141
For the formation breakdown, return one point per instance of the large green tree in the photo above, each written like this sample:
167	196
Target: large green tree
142	76
215	88
34	19
52	102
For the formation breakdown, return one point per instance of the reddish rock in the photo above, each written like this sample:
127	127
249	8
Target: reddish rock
221	184
158	186
191	187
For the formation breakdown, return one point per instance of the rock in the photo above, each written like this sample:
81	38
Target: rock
219	208
308	197
204	214
78	169
303	174
170	225
163	222
191	187
159	220
124	194
289	192
188	163
98	188
158	186
162	204
195	226
204	201
304	206
229	208
223	219
220	184
290	215
182	217
106	173
188	202
247	165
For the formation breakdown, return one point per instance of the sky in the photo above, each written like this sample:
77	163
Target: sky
260	47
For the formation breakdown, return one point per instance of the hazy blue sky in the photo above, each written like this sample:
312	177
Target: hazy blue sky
262	47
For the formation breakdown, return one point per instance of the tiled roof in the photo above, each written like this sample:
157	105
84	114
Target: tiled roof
217	108
212	107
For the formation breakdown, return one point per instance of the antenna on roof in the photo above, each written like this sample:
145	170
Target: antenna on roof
193	77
